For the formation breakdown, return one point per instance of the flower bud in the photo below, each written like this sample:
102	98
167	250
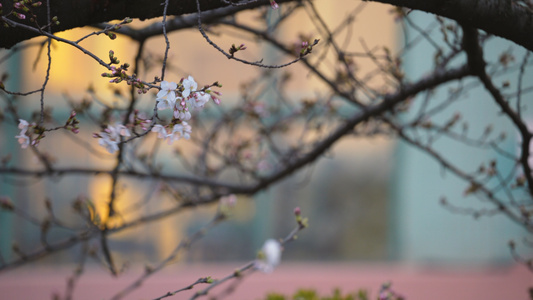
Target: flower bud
297	211
20	16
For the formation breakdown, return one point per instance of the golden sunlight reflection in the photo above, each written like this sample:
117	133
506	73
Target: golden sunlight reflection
71	69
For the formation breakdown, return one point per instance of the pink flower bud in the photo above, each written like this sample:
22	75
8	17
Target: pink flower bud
297	211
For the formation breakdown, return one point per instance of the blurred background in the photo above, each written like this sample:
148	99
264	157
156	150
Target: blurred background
373	203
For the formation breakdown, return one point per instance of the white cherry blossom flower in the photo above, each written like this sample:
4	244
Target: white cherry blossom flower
23	140
161	131
164	104
183	114
269	256
189	85
123	130
110	144
166	97
118	130
23	126
110	137
181	111
198	100
179	131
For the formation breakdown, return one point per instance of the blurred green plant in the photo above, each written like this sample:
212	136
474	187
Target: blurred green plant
305	294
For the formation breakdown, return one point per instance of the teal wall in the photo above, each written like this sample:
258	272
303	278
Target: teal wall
423	231
9	146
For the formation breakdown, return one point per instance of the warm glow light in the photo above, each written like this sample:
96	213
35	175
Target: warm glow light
72	69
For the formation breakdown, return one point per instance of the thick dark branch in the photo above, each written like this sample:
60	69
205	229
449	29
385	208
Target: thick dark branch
178	23
79	13
503	18
389	102
477	65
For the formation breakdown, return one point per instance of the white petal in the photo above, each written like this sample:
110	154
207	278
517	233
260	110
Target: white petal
272	256
162	94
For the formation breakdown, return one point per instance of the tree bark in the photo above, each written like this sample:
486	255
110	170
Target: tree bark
79	13
503	18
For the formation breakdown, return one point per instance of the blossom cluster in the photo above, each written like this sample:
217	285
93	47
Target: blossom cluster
178	131
26	138
181	98
23	137
110	136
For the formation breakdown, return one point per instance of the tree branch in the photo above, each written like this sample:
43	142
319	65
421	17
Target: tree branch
477	65
504	18
80	13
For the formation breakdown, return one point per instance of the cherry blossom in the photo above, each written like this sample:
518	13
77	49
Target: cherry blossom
183	100
108	142
269	256
189	85
23	126
198	100
122	130
183	114
179	131
110	137
23	140
166	97
161	131
181	111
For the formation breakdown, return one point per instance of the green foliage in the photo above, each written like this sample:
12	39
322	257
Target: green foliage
275	296
304	294
385	293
